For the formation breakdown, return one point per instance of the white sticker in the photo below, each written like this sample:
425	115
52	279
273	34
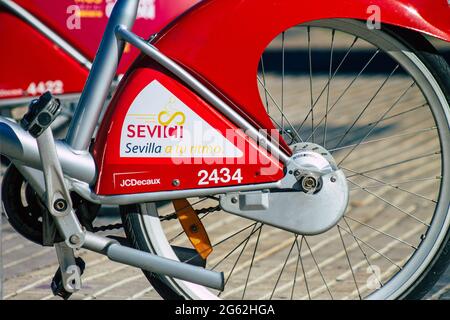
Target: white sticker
159	125
146	9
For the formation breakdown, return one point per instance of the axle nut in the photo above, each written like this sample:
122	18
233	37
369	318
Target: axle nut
60	205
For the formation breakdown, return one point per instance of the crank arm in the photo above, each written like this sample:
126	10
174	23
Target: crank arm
42	112
58	199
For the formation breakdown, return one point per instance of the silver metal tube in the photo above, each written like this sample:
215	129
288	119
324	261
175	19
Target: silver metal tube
84	191
18	144
101	76
153	263
198	87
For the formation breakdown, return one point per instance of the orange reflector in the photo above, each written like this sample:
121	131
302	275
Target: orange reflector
193	227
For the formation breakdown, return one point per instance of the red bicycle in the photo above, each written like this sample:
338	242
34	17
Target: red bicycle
257	149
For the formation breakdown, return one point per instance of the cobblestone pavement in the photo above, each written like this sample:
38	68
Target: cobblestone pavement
28	269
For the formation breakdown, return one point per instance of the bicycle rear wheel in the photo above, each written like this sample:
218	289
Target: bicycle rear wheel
378	100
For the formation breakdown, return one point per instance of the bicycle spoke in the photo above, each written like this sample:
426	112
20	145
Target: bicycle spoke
303	268
349	263
380	185
251	263
367	106
406	133
310	82
377	122
345	91
279	109
240	254
329	82
385	119
333	32
392	186
362	251
381	232
282	269
299	250
318	268
236	247
372	248
390	204
396	163
264	83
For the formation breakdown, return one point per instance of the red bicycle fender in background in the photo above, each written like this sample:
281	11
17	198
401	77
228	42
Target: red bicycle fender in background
31	64
222	40
60	16
153	15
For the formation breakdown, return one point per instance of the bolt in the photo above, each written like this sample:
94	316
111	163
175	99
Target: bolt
309	184
60	205
194	228
74	239
333	179
234	200
176	182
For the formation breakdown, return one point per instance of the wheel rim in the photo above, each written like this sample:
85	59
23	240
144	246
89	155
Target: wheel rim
410	265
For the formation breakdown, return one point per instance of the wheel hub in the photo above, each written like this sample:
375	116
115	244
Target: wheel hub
313	161
312	199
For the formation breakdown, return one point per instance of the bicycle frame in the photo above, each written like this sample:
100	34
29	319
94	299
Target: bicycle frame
76	161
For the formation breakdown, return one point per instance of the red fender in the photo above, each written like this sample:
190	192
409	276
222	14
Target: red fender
31	64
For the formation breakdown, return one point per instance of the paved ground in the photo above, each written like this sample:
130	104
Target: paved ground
28	269
385	221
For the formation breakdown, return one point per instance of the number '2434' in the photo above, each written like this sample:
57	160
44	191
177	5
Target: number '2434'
223	175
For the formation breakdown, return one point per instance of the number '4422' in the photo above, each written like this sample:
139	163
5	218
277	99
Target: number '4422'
55	87
216	176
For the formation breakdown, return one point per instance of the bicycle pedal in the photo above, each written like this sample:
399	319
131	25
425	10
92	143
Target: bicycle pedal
57	285
41	113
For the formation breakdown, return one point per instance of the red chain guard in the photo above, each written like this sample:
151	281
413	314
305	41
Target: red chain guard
158	135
